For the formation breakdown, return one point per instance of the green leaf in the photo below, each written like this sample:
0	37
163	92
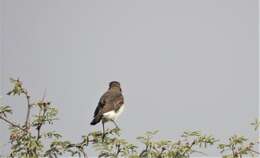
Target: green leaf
4	110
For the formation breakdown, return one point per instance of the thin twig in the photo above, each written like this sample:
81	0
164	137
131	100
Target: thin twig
40	126
254	151
118	150
44	112
202	153
29	105
13	124
144	151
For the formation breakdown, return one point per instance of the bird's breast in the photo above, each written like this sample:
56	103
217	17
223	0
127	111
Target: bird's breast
112	115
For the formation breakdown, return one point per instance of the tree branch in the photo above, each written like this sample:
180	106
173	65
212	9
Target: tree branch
38	128
43	114
118	150
12	124
29	105
144	151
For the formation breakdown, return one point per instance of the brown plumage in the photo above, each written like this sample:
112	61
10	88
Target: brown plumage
110	104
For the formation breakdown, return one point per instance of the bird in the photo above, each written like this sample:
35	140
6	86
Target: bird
110	106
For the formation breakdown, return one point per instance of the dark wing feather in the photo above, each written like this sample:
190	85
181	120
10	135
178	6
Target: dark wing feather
111	100
101	103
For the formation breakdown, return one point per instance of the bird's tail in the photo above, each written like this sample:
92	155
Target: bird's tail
96	120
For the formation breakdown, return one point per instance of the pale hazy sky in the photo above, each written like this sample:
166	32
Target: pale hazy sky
183	64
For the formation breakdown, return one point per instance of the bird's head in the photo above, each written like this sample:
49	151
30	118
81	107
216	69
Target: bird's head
114	84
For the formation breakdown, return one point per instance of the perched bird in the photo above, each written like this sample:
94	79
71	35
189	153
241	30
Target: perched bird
110	105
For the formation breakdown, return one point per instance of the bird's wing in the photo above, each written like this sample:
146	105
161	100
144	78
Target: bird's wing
101	103
108	102
114	103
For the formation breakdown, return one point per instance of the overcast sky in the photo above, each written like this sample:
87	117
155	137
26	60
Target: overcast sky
182	64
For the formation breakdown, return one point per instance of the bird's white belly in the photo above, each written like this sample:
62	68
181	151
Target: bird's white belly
112	115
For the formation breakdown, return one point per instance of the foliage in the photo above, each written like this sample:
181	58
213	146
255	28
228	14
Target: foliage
237	147
182	148
28	141
112	146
